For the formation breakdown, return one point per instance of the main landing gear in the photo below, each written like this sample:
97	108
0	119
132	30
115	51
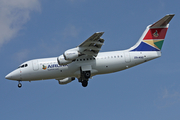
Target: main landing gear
85	75
84	83
19	84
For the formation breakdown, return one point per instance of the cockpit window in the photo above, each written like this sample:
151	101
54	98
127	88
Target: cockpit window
22	66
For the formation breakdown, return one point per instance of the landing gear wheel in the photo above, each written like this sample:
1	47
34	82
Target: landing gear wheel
84	83
19	85
87	74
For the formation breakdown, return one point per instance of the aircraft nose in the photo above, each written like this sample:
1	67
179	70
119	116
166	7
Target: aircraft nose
14	75
8	76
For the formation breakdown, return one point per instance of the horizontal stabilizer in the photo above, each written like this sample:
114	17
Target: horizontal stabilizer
162	22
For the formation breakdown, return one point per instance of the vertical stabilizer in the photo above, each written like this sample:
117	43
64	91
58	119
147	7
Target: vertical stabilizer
153	37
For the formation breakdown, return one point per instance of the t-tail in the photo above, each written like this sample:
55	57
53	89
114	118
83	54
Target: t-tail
153	37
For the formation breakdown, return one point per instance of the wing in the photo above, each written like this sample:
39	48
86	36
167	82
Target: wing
92	45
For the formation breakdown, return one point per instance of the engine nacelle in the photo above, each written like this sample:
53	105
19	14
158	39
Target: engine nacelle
71	54
62	61
66	80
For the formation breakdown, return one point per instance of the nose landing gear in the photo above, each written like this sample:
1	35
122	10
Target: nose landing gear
19	84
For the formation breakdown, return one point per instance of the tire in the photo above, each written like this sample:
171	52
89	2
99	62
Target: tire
84	83
19	85
87	74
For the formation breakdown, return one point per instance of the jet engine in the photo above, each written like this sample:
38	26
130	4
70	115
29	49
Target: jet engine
68	56
62	61
66	80
71	54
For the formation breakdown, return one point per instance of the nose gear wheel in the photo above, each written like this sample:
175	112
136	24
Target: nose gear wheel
19	85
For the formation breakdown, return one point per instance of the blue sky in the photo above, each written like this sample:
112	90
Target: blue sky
32	29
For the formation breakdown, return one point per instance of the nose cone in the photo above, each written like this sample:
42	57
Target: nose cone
8	76
14	75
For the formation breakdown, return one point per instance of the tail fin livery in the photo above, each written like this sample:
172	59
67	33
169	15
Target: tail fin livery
153	37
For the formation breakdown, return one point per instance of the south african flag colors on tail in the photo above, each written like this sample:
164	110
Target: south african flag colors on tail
154	35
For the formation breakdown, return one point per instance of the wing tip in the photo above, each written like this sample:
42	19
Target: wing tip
100	32
170	15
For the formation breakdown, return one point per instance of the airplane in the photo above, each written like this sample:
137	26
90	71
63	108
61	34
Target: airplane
85	61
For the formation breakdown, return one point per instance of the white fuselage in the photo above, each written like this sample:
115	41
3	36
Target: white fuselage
105	62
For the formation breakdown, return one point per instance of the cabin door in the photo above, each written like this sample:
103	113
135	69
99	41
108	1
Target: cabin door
35	65
127	57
